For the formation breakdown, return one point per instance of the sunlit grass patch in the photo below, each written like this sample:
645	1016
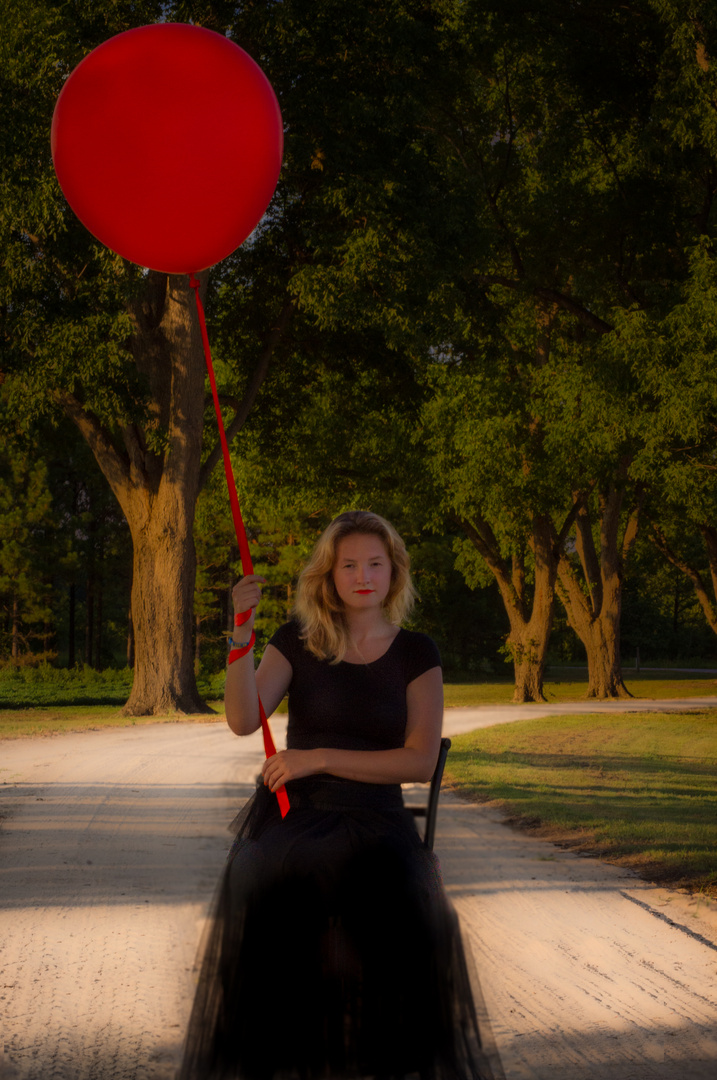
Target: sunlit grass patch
638	789
21	723
573	688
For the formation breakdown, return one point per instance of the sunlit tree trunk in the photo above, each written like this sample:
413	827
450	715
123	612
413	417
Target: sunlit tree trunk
530	618
594	608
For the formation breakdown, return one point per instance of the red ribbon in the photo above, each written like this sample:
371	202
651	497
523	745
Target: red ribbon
247	565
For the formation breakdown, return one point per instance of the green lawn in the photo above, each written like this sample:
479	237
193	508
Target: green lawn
636	789
571	685
19	723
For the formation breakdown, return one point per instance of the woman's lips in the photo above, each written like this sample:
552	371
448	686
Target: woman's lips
364	592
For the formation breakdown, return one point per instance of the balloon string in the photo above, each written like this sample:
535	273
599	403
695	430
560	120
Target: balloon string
247	565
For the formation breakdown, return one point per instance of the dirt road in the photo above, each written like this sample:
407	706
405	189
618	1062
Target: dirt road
111	844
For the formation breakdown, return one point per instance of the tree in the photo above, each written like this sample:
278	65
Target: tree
594	613
453	185
505	496
676	356
117	350
585	192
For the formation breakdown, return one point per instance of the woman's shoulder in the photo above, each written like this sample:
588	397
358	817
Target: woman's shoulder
419	652
287	640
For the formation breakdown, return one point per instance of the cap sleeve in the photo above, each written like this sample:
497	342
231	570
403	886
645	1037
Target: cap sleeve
286	640
421	655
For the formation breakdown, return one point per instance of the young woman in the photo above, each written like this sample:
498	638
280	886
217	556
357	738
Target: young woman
334	951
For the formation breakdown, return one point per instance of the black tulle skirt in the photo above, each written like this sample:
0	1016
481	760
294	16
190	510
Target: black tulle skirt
333	950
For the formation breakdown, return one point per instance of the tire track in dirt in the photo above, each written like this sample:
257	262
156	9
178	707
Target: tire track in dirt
581	981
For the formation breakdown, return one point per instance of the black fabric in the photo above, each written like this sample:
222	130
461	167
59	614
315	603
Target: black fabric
352	706
333	951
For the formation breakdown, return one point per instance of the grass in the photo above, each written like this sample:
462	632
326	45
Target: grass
638	789
571	685
22	723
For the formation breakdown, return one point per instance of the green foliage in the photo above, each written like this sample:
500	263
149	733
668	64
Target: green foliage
673	355
62	293
45	685
282	527
661	614
490	256
32	687
29	547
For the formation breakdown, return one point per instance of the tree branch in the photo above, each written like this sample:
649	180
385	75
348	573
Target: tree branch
224	399
579	499
136	450
587	318
114	465
659	539
633	522
483	539
554	296
709	534
588	557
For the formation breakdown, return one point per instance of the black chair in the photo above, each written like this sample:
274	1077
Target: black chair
430	811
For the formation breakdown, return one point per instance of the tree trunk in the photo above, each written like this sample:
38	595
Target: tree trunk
530	625
162	592
594	612
197	643
706	593
130	639
89	618
599	633
530	632
15	627
71	630
156	477
168	349
98	623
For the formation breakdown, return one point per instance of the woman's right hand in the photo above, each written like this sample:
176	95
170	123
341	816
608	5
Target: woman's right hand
246	594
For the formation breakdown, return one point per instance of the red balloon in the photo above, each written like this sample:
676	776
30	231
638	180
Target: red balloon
167	143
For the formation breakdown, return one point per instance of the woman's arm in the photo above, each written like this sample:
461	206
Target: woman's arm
414	761
243	686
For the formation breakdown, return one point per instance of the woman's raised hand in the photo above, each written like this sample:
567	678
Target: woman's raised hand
246	594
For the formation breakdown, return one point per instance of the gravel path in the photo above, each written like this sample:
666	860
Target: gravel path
111	846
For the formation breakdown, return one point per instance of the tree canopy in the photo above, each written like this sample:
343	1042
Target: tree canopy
481	301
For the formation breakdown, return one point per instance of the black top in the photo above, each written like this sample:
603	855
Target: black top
352	706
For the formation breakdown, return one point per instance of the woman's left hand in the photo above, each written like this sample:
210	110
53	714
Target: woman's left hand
288	765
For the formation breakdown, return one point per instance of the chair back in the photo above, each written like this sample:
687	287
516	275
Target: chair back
435	790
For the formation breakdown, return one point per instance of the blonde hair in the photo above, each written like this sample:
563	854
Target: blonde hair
318	608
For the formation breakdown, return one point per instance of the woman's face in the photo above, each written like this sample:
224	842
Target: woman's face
362	571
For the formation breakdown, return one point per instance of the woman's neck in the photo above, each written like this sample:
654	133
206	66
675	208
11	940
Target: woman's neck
367	625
